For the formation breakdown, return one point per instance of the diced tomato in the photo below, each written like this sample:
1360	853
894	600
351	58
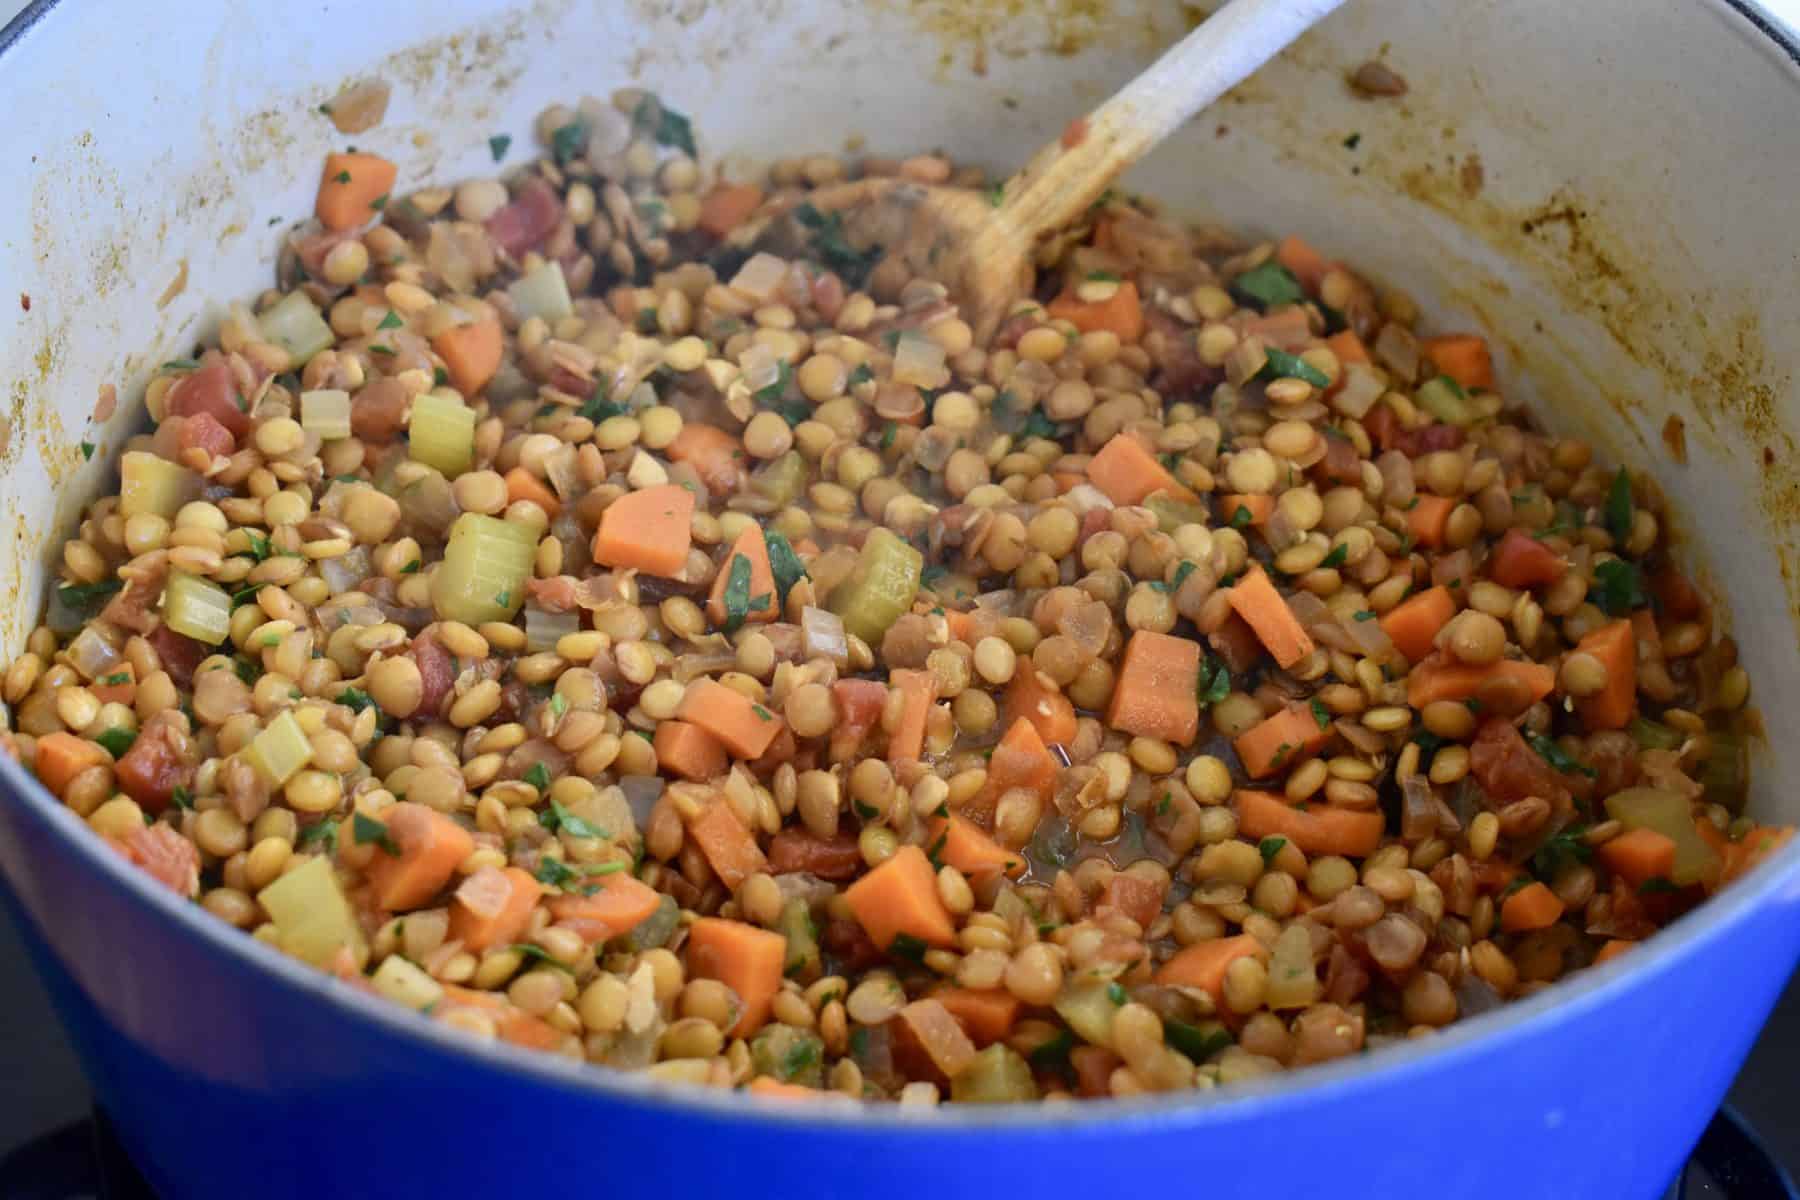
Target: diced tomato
212	391
1508	769
436	671
171	859
1414	442
179	653
1137	898
859	707
378	411
1521	561
833	858
153	768
204	431
528	219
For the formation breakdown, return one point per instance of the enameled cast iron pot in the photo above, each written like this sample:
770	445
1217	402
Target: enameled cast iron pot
1606	185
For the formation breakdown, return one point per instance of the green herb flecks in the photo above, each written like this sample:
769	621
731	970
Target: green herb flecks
366	831
739	604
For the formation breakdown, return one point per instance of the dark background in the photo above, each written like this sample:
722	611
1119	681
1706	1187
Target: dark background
41	1087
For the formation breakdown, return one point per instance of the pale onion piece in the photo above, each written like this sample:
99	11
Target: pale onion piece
542	293
1418	808
920	361
645	472
561	471
1363	386
91	654
824	633
760	276
1086	498
485	893
346	570
404	983
544	629
900	402
641	794
1293	980
325	412
760	366
360	106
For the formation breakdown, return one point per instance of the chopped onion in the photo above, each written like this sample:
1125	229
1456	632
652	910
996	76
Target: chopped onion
542	293
760	276
295	325
1396	470
824	632
760	366
346	570
1475	995
1293	980
690	667
1454	570
1369	638
326	413
1085	498
560	470
428	503
544	629
1418	808
91	654
1396	347
1363	386
900	401
920	361
641	794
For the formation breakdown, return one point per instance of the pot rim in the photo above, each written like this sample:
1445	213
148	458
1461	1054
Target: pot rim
1265	1097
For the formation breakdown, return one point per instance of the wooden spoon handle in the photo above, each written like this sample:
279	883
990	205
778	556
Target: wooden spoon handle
1064	178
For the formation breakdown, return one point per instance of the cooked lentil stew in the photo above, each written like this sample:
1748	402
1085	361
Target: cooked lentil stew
604	609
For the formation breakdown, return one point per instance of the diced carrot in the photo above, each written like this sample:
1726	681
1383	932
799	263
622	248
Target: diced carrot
859	705
1021	760
62	756
1203	964
1120	313
1280	741
1615	645
685	749
716	456
961	624
836	858
648	529
1679	599
1413	623
1533	906
1302	261
901	897
349	188
956	841
1032	696
727	206
1437	678
745	959
1138	898
928	1039
1313	828
1521	561
1286	328
1256	600
1157	693
763	603
1348	347
730	849
1745	854
471	353
512	1024
919	692
1638	855
432	846
1492	875
619	905
986	1015
1612	949
1260	508
1463	357
523	485
1067	481
493	907
1429	518
745	728
1126	472
768	1086
110	689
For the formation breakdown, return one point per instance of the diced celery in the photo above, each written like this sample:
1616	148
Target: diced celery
796	924
543	293
150	484
486	564
996	1075
1669	814
404	983
326	412
1172	514
1088	1008
1726	773
1293	980
881	587
295	325
779	481
789	1054
195	608
1652	735
441	434
311	915
1444	399
280	751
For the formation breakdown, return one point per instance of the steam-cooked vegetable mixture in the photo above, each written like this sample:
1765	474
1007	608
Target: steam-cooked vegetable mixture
602	608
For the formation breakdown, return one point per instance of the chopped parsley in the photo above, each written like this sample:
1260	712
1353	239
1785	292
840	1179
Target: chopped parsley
738	602
411	568
341	177
1182	570
1051	1055
538	776
561	818
1338	554
80	595
367	830
784	564
117	741
887	434
1617	514
325	832
1117	994
355	699
1656	885
1162	805
1363	614
1282	365
1564	849
115	679
1353	141
183	798
1214	682
391	321
996	194
568	141
539	954
1557	757
762	714
1269	847
1038	425
499	144
665	125
908	947
862	374
1320	713
87	451
1618	587
1195	1043
1268	286
1241	517
598	408
867	812
833	249
181	364
932	575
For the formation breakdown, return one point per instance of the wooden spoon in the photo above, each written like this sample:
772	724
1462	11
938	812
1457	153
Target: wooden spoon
982	251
